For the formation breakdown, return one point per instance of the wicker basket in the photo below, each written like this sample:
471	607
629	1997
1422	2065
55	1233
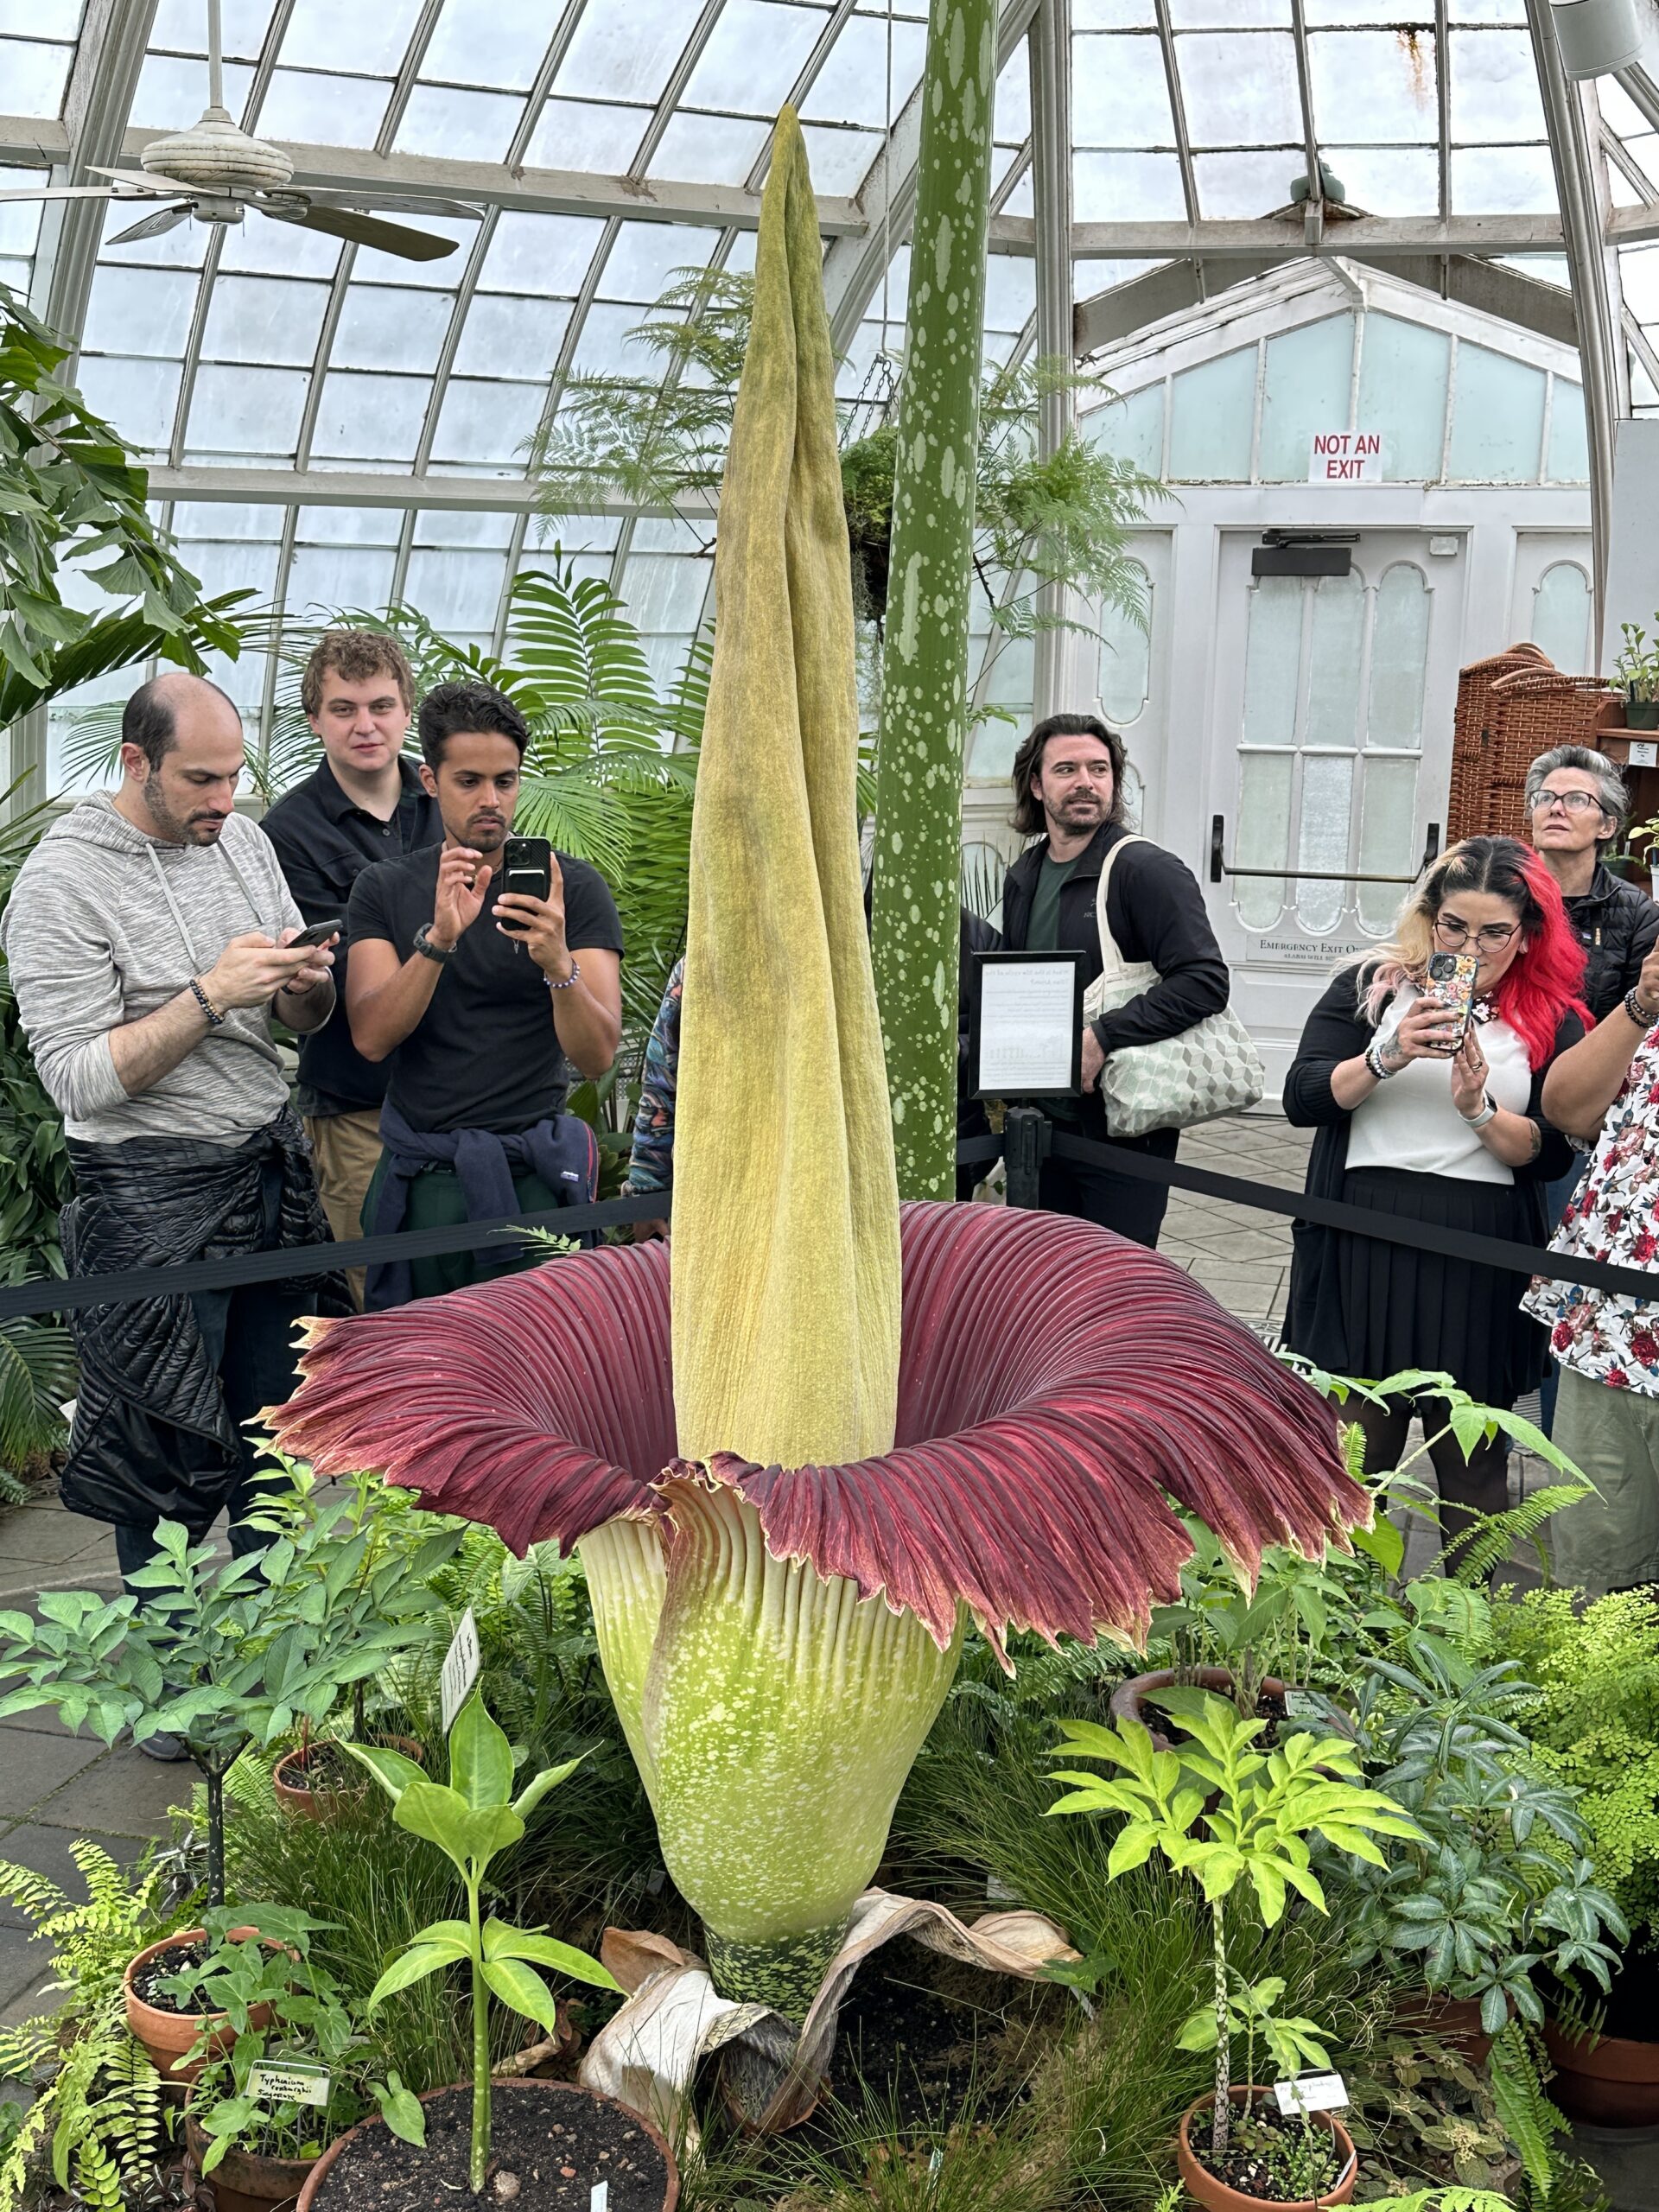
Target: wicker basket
1510	709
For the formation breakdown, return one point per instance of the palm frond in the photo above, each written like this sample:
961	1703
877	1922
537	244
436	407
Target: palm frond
37	1373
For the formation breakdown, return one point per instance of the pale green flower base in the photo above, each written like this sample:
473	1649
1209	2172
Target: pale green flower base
787	1975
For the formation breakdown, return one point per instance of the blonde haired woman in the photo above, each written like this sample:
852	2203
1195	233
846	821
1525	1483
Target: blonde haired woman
1412	1125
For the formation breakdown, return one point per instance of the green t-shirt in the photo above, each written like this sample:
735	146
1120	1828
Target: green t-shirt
1042	935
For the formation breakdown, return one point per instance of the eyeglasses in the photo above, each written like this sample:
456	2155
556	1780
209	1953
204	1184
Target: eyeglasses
1454	934
1575	802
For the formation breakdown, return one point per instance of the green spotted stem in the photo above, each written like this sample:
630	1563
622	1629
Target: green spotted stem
924	678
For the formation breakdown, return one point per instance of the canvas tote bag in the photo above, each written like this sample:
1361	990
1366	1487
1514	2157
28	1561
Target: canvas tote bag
1208	1070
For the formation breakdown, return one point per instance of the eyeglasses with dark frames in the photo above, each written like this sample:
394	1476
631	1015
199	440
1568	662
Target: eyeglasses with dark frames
1454	934
1575	802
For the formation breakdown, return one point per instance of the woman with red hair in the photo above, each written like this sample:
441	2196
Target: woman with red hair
1414	1125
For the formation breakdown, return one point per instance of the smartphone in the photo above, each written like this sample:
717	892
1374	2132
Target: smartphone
1452	981
526	869
319	933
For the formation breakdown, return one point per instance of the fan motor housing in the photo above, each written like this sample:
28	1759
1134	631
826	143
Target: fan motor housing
214	156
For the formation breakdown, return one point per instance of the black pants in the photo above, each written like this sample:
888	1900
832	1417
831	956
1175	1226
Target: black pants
248	1334
1469	1487
1096	1192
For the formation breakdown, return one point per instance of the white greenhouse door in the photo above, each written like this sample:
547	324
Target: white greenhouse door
1330	754
1551	604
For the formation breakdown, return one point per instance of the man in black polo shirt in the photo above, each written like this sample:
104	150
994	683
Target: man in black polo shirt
364	803
480	1025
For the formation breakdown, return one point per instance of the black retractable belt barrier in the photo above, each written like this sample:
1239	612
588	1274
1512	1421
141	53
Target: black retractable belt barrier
1025	1149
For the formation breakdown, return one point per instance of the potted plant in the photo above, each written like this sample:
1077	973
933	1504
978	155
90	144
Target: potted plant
1642	837
264	2108
471	1819
1223	1811
1638	669
190	1994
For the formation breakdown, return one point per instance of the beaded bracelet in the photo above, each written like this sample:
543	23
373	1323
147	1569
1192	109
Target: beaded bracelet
215	1018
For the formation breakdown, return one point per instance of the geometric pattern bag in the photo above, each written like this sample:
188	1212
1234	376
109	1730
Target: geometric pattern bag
1211	1069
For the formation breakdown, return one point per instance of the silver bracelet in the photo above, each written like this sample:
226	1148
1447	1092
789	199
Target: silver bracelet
574	976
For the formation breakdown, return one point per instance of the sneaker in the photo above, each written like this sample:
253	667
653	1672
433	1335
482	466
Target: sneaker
162	1747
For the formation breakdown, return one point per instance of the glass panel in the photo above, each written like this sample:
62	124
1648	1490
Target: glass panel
1239	90
587	135
1386	839
349	526
1493	88
1376	85
1399	659
489	42
381	327
487	422
992	745
1010	290
137	396
41	18
1306	387
841	159
226	518
1327	810
169	89
1212	420
237	565
20	220
331	578
140	310
315	109
33	76
1568	459
627	50
1120	95
1006	671
371	266
520	337
645	257
1388	180
540	253
379	36
1402	377
245	411
369	418
257	246
1334	652
263	320
607	347
456	590
752	57
1560	615
852	85
1502	180
1133	429
1262	839
664	591
708	150
180	26
1273	661
479	526
1012	101
464	126
1497	419
1125	659
1128	187
1245	184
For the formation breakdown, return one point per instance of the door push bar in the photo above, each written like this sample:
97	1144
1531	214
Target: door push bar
1219	869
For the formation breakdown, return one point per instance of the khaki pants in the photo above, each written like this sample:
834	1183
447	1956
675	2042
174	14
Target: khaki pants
1610	1543
346	1147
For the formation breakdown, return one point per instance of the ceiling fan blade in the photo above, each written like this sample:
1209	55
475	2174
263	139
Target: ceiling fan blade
63	192
366	198
365	230
144	180
164	219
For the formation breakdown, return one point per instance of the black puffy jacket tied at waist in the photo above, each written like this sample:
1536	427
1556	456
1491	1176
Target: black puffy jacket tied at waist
162	1202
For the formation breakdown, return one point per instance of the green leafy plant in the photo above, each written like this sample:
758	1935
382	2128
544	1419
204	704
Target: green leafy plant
1637	666
1257	1812
470	1820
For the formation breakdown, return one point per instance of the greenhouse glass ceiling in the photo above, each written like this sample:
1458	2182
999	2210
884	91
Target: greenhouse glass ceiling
356	422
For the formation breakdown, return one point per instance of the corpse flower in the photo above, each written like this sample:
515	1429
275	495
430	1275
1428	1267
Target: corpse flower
843	1429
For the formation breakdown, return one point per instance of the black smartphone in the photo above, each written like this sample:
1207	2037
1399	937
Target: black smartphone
526	869
319	933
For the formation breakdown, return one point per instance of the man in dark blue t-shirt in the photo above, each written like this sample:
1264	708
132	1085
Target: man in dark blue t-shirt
480	1023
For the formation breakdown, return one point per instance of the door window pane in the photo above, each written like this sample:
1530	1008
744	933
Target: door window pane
1560	616
1327	808
1333	660
1399	659
1385	839
1125	659
1273	661
1263	835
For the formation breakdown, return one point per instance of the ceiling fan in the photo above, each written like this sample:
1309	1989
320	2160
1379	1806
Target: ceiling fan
216	172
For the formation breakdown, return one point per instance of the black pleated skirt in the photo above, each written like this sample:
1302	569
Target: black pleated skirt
1382	1307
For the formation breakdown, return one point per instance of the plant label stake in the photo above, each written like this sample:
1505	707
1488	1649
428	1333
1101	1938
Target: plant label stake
460	1669
292	2082
598	2198
1312	2093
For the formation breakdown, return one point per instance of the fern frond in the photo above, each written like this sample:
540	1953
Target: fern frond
1486	1544
1528	2117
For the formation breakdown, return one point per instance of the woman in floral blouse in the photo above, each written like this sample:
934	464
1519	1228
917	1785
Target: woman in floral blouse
1606	1089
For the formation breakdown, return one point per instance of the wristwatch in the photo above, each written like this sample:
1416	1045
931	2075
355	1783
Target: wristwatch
1487	1112
424	945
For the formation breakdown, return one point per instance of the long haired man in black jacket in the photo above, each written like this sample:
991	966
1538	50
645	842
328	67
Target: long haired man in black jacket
1069	798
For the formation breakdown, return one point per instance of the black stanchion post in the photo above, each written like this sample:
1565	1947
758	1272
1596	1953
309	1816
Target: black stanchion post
1025	1134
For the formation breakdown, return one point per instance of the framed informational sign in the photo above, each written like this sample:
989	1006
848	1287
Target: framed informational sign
1026	1034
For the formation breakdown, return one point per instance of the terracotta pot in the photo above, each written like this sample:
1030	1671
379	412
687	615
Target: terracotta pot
316	2189
1203	2186
1611	2082
167	2036
295	1795
1454	2020
1128	1699
244	2181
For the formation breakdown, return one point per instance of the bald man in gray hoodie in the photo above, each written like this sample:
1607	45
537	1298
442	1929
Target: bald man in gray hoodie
147	941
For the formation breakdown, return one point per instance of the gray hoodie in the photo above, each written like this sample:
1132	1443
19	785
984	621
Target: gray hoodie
105	924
